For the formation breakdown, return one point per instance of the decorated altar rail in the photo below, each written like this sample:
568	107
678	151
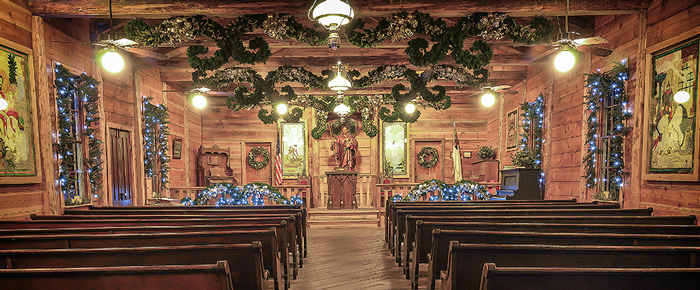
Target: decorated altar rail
434	190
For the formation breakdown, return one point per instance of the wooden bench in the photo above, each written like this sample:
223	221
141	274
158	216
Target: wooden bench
281	231
244	260
294	228
419	252
181	277
203	209
268	240
391	206
521	211
521	278
467	260
442	240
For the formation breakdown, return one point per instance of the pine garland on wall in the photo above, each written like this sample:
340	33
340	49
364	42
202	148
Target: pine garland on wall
531	139
68	88
155	138
610	86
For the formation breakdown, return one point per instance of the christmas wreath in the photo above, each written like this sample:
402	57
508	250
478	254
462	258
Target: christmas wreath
253	157
423	159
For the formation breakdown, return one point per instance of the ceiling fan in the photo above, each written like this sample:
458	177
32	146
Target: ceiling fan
113	41
488	98
568	41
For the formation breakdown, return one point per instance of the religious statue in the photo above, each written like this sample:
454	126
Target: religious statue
345	146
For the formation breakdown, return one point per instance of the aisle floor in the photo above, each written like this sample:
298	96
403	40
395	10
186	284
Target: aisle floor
350	258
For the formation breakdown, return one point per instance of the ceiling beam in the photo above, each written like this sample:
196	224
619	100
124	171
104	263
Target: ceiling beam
159	9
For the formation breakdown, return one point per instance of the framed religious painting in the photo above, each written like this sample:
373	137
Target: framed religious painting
177	148
671	107
293	148
19	142
512	130
394	149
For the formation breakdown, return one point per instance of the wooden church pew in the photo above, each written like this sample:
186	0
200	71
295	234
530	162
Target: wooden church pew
244	260
294	222
523	211
467	260
442	239
281	231
268	239
179	277
529	278
424	232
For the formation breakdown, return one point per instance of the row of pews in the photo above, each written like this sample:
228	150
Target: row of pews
551	244
169	248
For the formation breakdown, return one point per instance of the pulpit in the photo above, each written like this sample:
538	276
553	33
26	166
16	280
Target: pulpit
342	184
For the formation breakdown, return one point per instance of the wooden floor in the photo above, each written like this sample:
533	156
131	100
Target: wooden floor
350	258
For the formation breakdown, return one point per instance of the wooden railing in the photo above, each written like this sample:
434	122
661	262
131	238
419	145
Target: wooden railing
183	191
304	191
386	190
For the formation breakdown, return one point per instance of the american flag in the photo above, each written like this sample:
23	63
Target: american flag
278	163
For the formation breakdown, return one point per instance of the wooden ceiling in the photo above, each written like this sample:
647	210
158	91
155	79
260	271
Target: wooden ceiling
509	65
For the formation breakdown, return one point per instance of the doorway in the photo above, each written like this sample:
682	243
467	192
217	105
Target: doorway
120	167
263	174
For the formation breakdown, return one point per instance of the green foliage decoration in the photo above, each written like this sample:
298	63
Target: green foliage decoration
423	159
12	68
532	125
69	87
486	153
156	118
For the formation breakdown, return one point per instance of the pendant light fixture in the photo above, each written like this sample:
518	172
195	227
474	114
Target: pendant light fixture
332	14
341	109
339	83
488	99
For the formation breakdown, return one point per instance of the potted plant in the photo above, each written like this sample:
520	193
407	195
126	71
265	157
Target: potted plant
486	153
523	159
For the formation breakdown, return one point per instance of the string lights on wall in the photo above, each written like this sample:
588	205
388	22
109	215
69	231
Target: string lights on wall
155	138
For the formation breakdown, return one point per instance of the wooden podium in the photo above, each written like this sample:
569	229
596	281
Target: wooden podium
342	186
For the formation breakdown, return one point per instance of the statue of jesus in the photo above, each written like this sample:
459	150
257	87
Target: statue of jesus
345	146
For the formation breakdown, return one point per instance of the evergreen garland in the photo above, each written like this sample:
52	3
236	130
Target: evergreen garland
609	85
155	138
12	68
68	88
461	190
252	193
532	124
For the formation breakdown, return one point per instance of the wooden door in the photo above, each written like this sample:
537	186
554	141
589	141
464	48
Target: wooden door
120	167
259	175
435	172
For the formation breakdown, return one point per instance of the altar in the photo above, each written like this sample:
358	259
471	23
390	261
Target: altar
342	184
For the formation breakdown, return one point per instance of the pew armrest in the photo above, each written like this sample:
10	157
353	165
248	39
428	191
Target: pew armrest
266	274
443	275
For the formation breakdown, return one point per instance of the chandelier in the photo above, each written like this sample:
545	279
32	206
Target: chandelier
332	14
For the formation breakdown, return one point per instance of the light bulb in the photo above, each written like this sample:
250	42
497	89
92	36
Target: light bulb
342	110
282	108
339	83
565	60
410	108
3	104
681	97
488	99
112	61
199	101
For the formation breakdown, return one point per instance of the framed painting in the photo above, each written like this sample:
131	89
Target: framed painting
177	148
394	151
671	104
19	145
293	148
512	130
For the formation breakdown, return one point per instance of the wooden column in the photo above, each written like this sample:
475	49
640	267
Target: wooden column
139	195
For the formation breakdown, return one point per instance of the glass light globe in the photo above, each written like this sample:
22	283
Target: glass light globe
199	101
488	99
342	110
332	13
681	97
339	83
3	105
112	61
564	61
282	108
410	108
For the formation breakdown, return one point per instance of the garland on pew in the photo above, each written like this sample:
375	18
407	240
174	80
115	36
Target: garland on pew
253	193
461	190
69	87
609	85
155	139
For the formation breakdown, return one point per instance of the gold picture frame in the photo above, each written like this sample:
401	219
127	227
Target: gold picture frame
294	146
671	141
396	153
19	145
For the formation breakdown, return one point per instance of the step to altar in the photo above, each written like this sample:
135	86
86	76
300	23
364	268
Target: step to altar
343	218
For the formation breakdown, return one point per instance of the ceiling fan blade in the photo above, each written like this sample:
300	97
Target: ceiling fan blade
74	42
219	94
545	54
146	53
595	50
591	40
501	87
509	92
